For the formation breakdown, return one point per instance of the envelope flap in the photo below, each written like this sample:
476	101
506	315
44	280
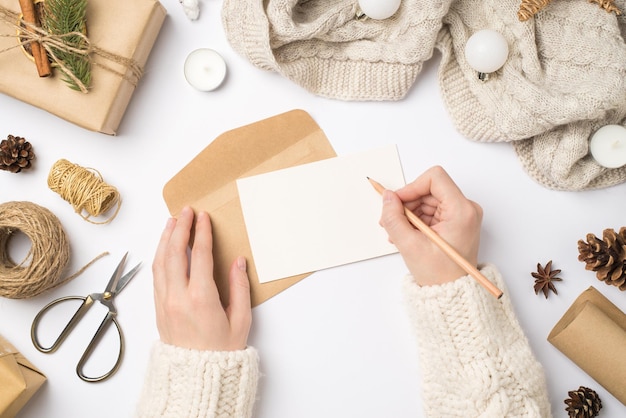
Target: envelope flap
241	150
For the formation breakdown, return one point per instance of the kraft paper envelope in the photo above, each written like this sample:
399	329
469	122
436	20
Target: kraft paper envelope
592	333
208	183
19	380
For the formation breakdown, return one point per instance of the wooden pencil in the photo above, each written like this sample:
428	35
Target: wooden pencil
445	247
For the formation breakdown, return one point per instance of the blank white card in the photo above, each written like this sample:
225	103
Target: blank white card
318	215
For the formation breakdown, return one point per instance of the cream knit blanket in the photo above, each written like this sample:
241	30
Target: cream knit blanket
564	79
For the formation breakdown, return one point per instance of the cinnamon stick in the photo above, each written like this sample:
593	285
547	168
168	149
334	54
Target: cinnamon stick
38	51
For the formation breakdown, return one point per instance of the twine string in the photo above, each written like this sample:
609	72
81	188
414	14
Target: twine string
47	258
85	189
52	41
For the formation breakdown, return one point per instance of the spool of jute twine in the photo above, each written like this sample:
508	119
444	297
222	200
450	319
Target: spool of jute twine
49	254
85	189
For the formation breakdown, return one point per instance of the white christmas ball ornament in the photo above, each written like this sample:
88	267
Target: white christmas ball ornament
379	9
486	51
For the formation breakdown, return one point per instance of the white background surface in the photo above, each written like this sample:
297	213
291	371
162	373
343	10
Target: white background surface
338	343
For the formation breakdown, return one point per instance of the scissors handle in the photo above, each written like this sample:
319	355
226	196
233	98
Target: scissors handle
108	319
84	307
87	302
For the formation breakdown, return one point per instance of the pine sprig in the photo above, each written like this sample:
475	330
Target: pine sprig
67	16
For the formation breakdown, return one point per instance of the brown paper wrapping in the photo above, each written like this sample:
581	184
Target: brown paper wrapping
592	332
19	380
127	28
208	183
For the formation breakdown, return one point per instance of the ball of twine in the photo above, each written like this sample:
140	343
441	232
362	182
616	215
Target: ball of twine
85	189
48	256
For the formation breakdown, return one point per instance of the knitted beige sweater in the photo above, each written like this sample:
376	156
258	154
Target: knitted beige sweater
201	384
565	76
474	357
322	47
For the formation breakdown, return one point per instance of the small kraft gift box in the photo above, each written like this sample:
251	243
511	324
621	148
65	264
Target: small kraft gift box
588	334
120	36
19	380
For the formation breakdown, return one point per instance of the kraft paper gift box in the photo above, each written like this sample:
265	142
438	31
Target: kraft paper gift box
19	380
126	28
592	333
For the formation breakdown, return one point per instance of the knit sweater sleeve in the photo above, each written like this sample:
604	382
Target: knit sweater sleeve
204	384
474	356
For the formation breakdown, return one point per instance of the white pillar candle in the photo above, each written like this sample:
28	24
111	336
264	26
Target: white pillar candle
205	69
608	146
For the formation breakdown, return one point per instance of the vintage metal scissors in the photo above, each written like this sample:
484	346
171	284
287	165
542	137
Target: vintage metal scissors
114	287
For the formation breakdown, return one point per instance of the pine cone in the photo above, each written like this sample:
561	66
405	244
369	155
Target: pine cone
607	257
583	403
15	154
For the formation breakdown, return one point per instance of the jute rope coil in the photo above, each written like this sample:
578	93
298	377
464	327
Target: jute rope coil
84	189
47	258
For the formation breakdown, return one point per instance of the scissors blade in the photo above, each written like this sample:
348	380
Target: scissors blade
112	285
121	284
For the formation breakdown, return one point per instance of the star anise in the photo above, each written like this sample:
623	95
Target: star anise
544	278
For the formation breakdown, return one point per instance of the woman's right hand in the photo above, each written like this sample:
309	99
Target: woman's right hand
436	200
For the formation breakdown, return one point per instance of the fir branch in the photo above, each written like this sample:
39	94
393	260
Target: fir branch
67	16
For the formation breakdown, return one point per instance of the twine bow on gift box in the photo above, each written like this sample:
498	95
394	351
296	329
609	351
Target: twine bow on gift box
28	33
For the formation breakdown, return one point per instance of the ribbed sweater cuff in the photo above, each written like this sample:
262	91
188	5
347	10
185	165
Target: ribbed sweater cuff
367	80
192	383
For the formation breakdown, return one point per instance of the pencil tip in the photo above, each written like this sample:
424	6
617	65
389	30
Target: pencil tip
367	177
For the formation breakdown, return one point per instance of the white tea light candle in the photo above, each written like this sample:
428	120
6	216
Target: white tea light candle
205	69
608	146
